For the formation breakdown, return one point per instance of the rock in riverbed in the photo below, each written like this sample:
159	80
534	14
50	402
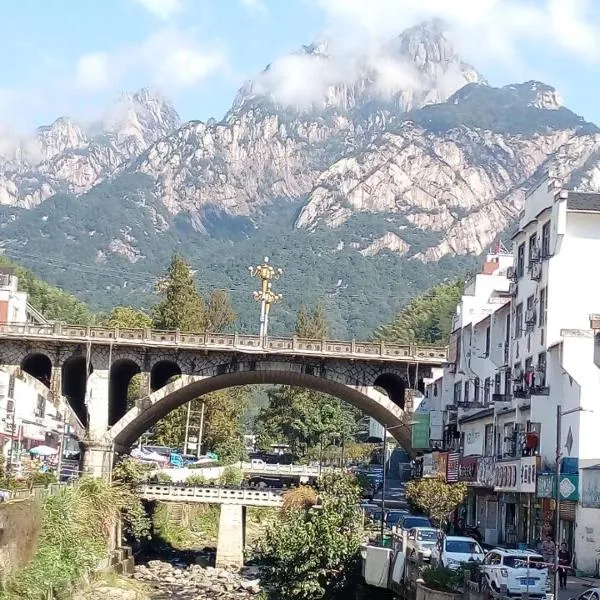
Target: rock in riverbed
195	582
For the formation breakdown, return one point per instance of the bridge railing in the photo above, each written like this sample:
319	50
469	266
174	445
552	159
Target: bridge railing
285	469
226	341
211	495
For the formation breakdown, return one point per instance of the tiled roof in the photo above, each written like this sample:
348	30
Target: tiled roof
586	201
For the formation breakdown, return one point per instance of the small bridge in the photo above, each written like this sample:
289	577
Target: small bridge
210	495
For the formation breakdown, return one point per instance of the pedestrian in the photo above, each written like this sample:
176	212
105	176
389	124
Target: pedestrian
548	549
564	561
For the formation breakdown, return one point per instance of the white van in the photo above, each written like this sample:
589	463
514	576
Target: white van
519	571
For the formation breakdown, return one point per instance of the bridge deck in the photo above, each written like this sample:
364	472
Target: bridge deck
248	344
210	495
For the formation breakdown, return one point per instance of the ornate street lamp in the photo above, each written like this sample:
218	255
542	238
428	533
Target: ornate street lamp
266	273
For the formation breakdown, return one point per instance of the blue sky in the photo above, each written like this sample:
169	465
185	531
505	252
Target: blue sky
73	57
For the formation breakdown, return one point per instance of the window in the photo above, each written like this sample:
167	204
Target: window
507	382
476	386
466	397
519	320
487	388
40	410
540	375
509	434
521	260
530	302
487	341
546	240
489	440
542	317
457	391
532	249
497	383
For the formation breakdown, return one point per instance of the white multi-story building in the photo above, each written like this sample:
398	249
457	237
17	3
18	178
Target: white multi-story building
515	359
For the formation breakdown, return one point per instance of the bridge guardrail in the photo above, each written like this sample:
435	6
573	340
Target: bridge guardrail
233	341
285	469
211	495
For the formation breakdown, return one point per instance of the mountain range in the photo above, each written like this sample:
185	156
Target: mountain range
378	176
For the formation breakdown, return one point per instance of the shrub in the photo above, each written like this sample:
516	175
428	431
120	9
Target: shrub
231	476
161	477
196	479
303	497
442	579
131	471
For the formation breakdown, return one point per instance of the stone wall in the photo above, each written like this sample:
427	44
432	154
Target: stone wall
20	522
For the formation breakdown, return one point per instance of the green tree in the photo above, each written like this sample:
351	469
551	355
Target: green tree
436	498
219	313
308	553
181	307
311	323
126	317
426	319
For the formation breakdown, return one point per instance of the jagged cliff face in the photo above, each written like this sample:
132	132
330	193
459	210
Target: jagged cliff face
69	157
406	133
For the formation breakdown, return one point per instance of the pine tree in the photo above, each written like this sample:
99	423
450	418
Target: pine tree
219	314
311	324
181	307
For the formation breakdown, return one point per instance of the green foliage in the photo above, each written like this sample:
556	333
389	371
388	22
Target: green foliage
231	476
196	479
426	319
436	498
311	324
219	312
76	523
441	578
53	303
161	477
309	554
303	418
127	317
181	307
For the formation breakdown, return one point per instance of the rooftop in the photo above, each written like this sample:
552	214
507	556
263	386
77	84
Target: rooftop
583	201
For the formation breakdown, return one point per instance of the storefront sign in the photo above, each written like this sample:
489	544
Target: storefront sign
34	432
590	488
427	465
452	468
420	430
467	469
443	468
568	486
486	471
527	475
506	476
473	441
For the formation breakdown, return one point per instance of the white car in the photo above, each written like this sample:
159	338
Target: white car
453	550
589	594
518	571
421	541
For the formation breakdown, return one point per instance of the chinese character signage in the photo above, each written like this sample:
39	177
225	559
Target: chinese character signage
568	486
486	471
506	476
452	468
443	468
527	474
420	430
467	469
590	488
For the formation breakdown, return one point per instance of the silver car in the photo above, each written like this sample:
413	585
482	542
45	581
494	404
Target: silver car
420	542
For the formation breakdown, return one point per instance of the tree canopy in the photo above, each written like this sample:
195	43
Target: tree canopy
426	319
127	317
311	323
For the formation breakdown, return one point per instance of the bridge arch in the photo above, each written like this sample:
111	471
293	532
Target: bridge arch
38	365
73	384
157	405
161	372
122	372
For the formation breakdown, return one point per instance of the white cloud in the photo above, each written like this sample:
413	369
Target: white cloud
93	71
169	58
163	9
255	6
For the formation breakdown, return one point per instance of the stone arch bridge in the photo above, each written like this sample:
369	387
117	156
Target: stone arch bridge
93	366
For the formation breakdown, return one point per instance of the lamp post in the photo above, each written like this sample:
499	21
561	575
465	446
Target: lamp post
559	415
384	478
266	273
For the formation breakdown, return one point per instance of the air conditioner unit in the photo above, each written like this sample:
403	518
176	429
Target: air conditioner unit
513	288
536	271
451	368
530	316
511	273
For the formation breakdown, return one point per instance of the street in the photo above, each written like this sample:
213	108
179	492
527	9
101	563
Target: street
576	586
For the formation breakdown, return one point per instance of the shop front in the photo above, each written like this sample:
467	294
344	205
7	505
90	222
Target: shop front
515	483
482	504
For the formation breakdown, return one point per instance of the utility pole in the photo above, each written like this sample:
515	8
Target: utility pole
187	428
266	273
199	445
557	500
383	481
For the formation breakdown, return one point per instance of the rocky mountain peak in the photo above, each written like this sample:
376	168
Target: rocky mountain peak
536	94
61	135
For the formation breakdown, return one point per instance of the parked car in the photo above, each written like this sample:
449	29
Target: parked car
589	594
421	541
521	571
411	521
453	550
393	517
